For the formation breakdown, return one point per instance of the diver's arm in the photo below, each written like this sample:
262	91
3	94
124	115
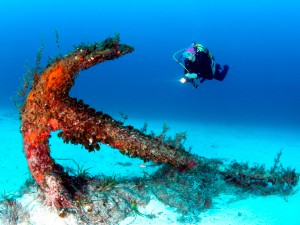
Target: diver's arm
188	72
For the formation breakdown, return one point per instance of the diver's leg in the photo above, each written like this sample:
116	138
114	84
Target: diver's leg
221	75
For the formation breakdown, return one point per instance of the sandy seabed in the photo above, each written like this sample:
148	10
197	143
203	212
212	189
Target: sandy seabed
241	142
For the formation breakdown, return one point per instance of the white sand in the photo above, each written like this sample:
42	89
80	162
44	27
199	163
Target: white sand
254	144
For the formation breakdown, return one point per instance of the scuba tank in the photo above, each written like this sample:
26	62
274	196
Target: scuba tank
201	48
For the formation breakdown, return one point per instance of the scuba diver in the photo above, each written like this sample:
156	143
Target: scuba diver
200	63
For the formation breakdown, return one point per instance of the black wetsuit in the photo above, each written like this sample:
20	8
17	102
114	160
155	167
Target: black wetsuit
202	67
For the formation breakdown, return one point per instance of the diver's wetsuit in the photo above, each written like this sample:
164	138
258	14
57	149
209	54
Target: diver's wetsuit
202	67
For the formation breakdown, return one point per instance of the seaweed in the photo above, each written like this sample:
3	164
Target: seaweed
11	212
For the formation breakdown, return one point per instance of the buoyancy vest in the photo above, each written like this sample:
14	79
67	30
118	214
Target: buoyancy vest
201	48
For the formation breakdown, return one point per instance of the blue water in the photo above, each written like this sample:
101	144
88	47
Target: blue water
258	39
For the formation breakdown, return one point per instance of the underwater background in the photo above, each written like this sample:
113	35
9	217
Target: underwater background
251	115
258	39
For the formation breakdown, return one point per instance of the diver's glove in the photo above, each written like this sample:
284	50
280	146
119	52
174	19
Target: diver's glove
191	75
